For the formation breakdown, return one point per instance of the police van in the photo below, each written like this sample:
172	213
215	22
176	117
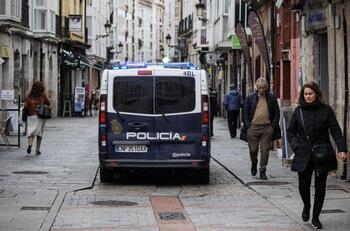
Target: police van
154	116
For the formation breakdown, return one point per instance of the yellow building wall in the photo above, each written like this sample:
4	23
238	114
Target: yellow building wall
74	7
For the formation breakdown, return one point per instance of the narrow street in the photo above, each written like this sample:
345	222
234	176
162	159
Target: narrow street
60	190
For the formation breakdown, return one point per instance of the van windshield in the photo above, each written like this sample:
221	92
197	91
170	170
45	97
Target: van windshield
172	94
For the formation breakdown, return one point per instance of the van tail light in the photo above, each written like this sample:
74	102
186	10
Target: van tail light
205	109
102	121
103	140
205	140
102	117
103	103
103	107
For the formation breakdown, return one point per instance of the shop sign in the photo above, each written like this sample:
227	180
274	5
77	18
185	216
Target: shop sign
315	19
235	42
75	23
79	99
5	52
7	94
71	60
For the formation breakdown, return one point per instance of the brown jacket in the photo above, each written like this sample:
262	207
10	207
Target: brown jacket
31	104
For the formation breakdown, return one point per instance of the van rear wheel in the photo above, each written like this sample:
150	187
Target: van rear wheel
106	175
203	176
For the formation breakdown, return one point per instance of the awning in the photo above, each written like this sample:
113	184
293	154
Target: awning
90	63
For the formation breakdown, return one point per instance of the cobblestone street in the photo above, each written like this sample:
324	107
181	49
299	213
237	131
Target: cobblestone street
66	195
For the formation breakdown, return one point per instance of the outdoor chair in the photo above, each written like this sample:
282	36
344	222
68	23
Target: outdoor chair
5	129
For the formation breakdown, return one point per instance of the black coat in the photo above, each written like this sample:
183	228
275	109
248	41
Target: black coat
249	110
319	121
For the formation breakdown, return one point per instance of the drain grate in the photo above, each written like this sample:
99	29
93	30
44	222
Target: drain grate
332	211
35	208
172	216
30	172
114	203
270	183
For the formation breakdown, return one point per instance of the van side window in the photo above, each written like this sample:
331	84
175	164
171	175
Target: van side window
175	94
133	94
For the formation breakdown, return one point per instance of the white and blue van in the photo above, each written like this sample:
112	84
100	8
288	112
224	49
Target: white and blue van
154	116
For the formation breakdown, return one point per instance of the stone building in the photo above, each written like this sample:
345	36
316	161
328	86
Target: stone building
29	47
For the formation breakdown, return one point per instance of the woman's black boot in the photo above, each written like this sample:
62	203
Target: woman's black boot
306	213
316	223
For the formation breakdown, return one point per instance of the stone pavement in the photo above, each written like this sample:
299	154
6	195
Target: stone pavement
63	194
32	188
283	189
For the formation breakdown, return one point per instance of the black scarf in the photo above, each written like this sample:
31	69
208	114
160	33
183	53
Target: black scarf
313	105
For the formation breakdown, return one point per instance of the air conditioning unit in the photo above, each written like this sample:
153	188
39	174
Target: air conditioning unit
285	55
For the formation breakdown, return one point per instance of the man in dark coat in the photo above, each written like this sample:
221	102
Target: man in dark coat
261	116
233	101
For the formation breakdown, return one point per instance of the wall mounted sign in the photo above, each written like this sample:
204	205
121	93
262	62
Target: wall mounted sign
75	23
315	19
70	60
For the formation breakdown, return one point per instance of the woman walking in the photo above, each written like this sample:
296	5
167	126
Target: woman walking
35	98
308	135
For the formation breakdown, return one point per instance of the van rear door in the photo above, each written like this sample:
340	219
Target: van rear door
132	121
177	115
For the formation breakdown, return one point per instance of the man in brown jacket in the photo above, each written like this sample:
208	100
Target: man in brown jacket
261	125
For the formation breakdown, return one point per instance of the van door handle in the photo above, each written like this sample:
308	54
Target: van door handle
137	126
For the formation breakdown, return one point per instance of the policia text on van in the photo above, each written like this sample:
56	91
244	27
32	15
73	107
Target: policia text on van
154	115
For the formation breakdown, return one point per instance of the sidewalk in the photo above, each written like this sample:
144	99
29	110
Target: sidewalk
281	188
32	188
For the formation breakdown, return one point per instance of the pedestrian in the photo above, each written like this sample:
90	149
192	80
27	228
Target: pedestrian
233	101
35	98
213	108
308	135
261	116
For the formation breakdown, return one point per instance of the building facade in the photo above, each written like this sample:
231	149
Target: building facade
29	47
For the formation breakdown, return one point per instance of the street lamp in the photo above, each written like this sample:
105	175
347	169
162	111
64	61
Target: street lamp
168	39
108	27
120	46
200	9
161	51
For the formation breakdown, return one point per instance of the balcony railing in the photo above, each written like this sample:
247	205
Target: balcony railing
186	25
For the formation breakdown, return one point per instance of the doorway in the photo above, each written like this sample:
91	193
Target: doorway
322	75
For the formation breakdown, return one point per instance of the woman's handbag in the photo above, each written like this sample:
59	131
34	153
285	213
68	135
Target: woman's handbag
322	152
43	111
24	114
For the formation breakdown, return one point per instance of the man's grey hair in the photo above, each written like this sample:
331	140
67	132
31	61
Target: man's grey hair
263	81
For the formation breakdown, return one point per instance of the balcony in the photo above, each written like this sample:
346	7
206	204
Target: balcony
186	26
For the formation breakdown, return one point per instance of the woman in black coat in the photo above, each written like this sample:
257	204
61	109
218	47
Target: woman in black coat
320	121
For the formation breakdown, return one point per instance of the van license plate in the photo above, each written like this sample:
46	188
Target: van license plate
131	148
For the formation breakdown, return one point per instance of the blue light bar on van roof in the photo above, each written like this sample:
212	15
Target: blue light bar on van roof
185	65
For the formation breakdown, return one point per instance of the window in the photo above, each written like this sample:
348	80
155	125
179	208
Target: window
40	19
227	3
89	25
89	2
172	94
52	21
16	8
133	94
40	3
3	8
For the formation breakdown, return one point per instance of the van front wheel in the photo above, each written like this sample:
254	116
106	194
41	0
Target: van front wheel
203	176
106	175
